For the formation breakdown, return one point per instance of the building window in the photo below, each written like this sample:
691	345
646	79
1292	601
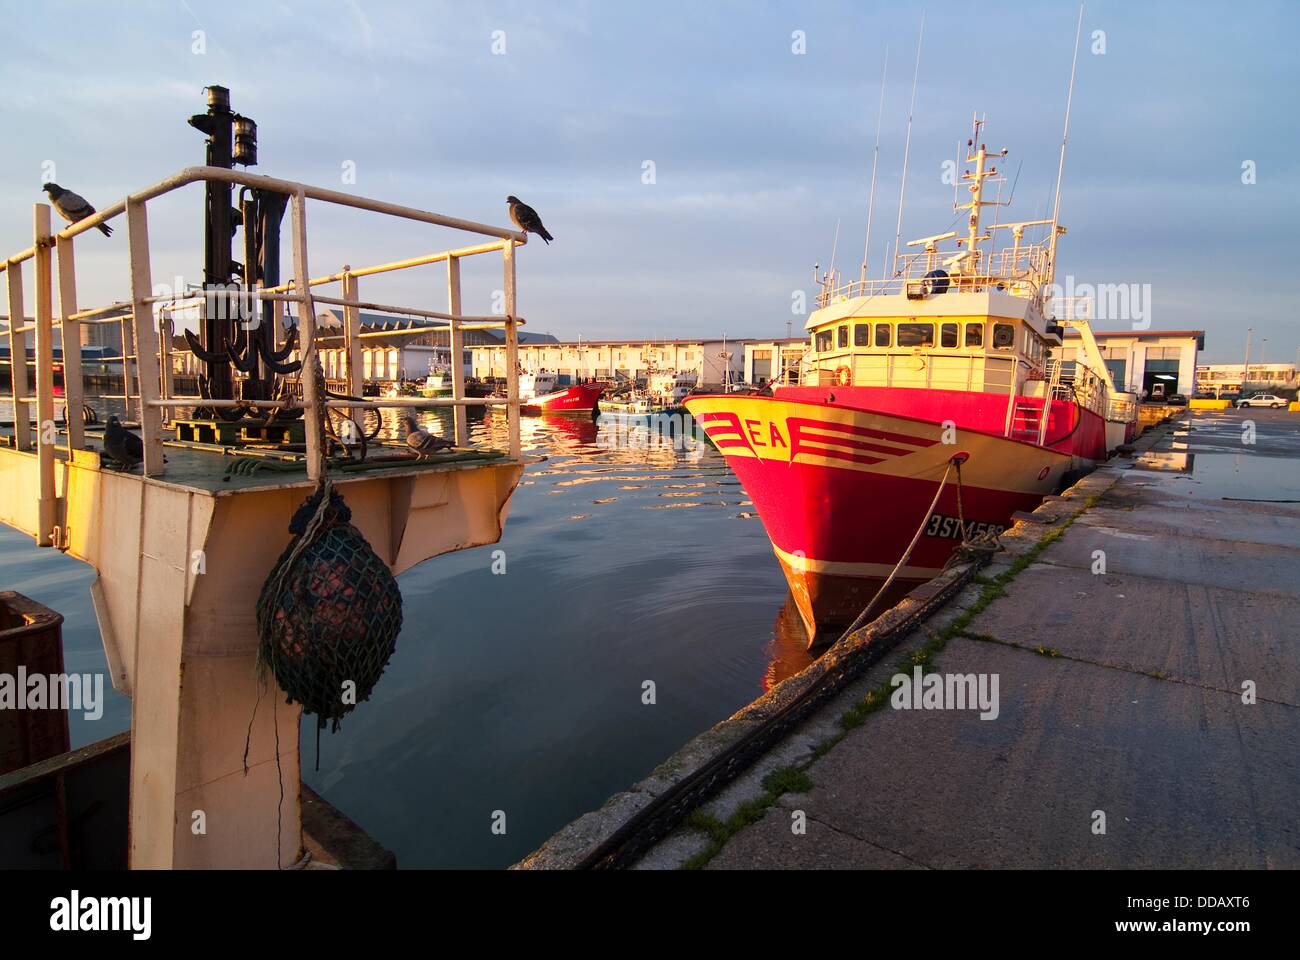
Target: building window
948	335
823	341
762	354
916	334
862	334
1004	336
974	334
843	338
882	334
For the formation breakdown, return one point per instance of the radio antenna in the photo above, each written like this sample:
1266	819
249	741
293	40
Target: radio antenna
835	250
875	159
956	175
907	147
1011	199
1065	138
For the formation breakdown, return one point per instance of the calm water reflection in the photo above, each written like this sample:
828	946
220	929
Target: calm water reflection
522	692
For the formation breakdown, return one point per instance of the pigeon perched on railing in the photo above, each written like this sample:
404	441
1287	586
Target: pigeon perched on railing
527	220
121	444
73	207
420	441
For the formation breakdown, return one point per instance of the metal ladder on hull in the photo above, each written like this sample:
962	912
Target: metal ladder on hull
1028	420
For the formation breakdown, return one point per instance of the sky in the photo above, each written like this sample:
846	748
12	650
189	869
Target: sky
758	118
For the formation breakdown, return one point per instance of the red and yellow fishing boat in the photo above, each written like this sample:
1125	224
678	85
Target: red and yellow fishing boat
947	360
540	394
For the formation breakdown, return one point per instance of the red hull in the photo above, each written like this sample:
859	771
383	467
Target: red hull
579	398
842	484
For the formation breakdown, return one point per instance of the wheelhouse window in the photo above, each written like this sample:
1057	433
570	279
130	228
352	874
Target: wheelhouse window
948	335
916	334
843	337
1004	336
823	341
974	334
882	334
862	334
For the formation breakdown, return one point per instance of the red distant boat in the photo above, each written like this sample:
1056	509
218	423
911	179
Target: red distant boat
540	395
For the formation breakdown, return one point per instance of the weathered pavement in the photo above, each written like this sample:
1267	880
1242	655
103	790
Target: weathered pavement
1120	694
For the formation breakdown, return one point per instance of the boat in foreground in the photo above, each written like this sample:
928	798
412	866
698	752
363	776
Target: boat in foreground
929	407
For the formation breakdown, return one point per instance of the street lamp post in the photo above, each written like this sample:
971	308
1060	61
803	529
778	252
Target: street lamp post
1245	367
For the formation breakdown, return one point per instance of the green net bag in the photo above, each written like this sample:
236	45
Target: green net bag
329	613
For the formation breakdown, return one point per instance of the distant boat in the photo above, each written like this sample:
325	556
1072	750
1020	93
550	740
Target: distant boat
540	394
665	392
438	382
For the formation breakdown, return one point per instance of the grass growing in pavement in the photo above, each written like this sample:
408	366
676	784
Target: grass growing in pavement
780	781
794	780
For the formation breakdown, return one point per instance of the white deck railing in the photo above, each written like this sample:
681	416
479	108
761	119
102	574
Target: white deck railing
1020	270
146	355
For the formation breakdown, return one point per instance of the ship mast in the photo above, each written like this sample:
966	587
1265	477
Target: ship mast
1057	230
977	154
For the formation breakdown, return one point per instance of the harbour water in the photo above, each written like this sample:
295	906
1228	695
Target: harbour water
524	693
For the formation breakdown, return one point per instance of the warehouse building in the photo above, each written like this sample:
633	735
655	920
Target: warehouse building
1150	363
1219	378
715	362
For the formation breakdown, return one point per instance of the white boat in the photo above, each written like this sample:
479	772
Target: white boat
664	393
438	382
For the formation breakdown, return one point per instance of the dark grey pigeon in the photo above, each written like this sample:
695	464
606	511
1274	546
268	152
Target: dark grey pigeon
73	207
121	444
527	220
420	441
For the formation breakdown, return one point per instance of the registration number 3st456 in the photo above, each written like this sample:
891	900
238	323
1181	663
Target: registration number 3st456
949	528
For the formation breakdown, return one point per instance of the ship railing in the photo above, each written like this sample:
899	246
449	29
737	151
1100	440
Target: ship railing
1122	410
962	372
1070	308
1090	390
1068	381
1021	271
145	355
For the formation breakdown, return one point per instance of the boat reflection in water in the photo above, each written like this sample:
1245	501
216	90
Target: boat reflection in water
788	648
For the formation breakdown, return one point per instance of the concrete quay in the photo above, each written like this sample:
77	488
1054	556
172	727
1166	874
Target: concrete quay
1141	630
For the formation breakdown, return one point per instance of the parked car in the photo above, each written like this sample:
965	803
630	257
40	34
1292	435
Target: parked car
1262	400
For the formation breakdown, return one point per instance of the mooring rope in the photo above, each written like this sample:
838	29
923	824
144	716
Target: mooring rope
902	562
979	547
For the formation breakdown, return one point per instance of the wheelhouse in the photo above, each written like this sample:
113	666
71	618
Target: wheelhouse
945	351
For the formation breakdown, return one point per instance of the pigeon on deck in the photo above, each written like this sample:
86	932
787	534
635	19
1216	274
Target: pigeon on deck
121	444
73	207
527	220
420	441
